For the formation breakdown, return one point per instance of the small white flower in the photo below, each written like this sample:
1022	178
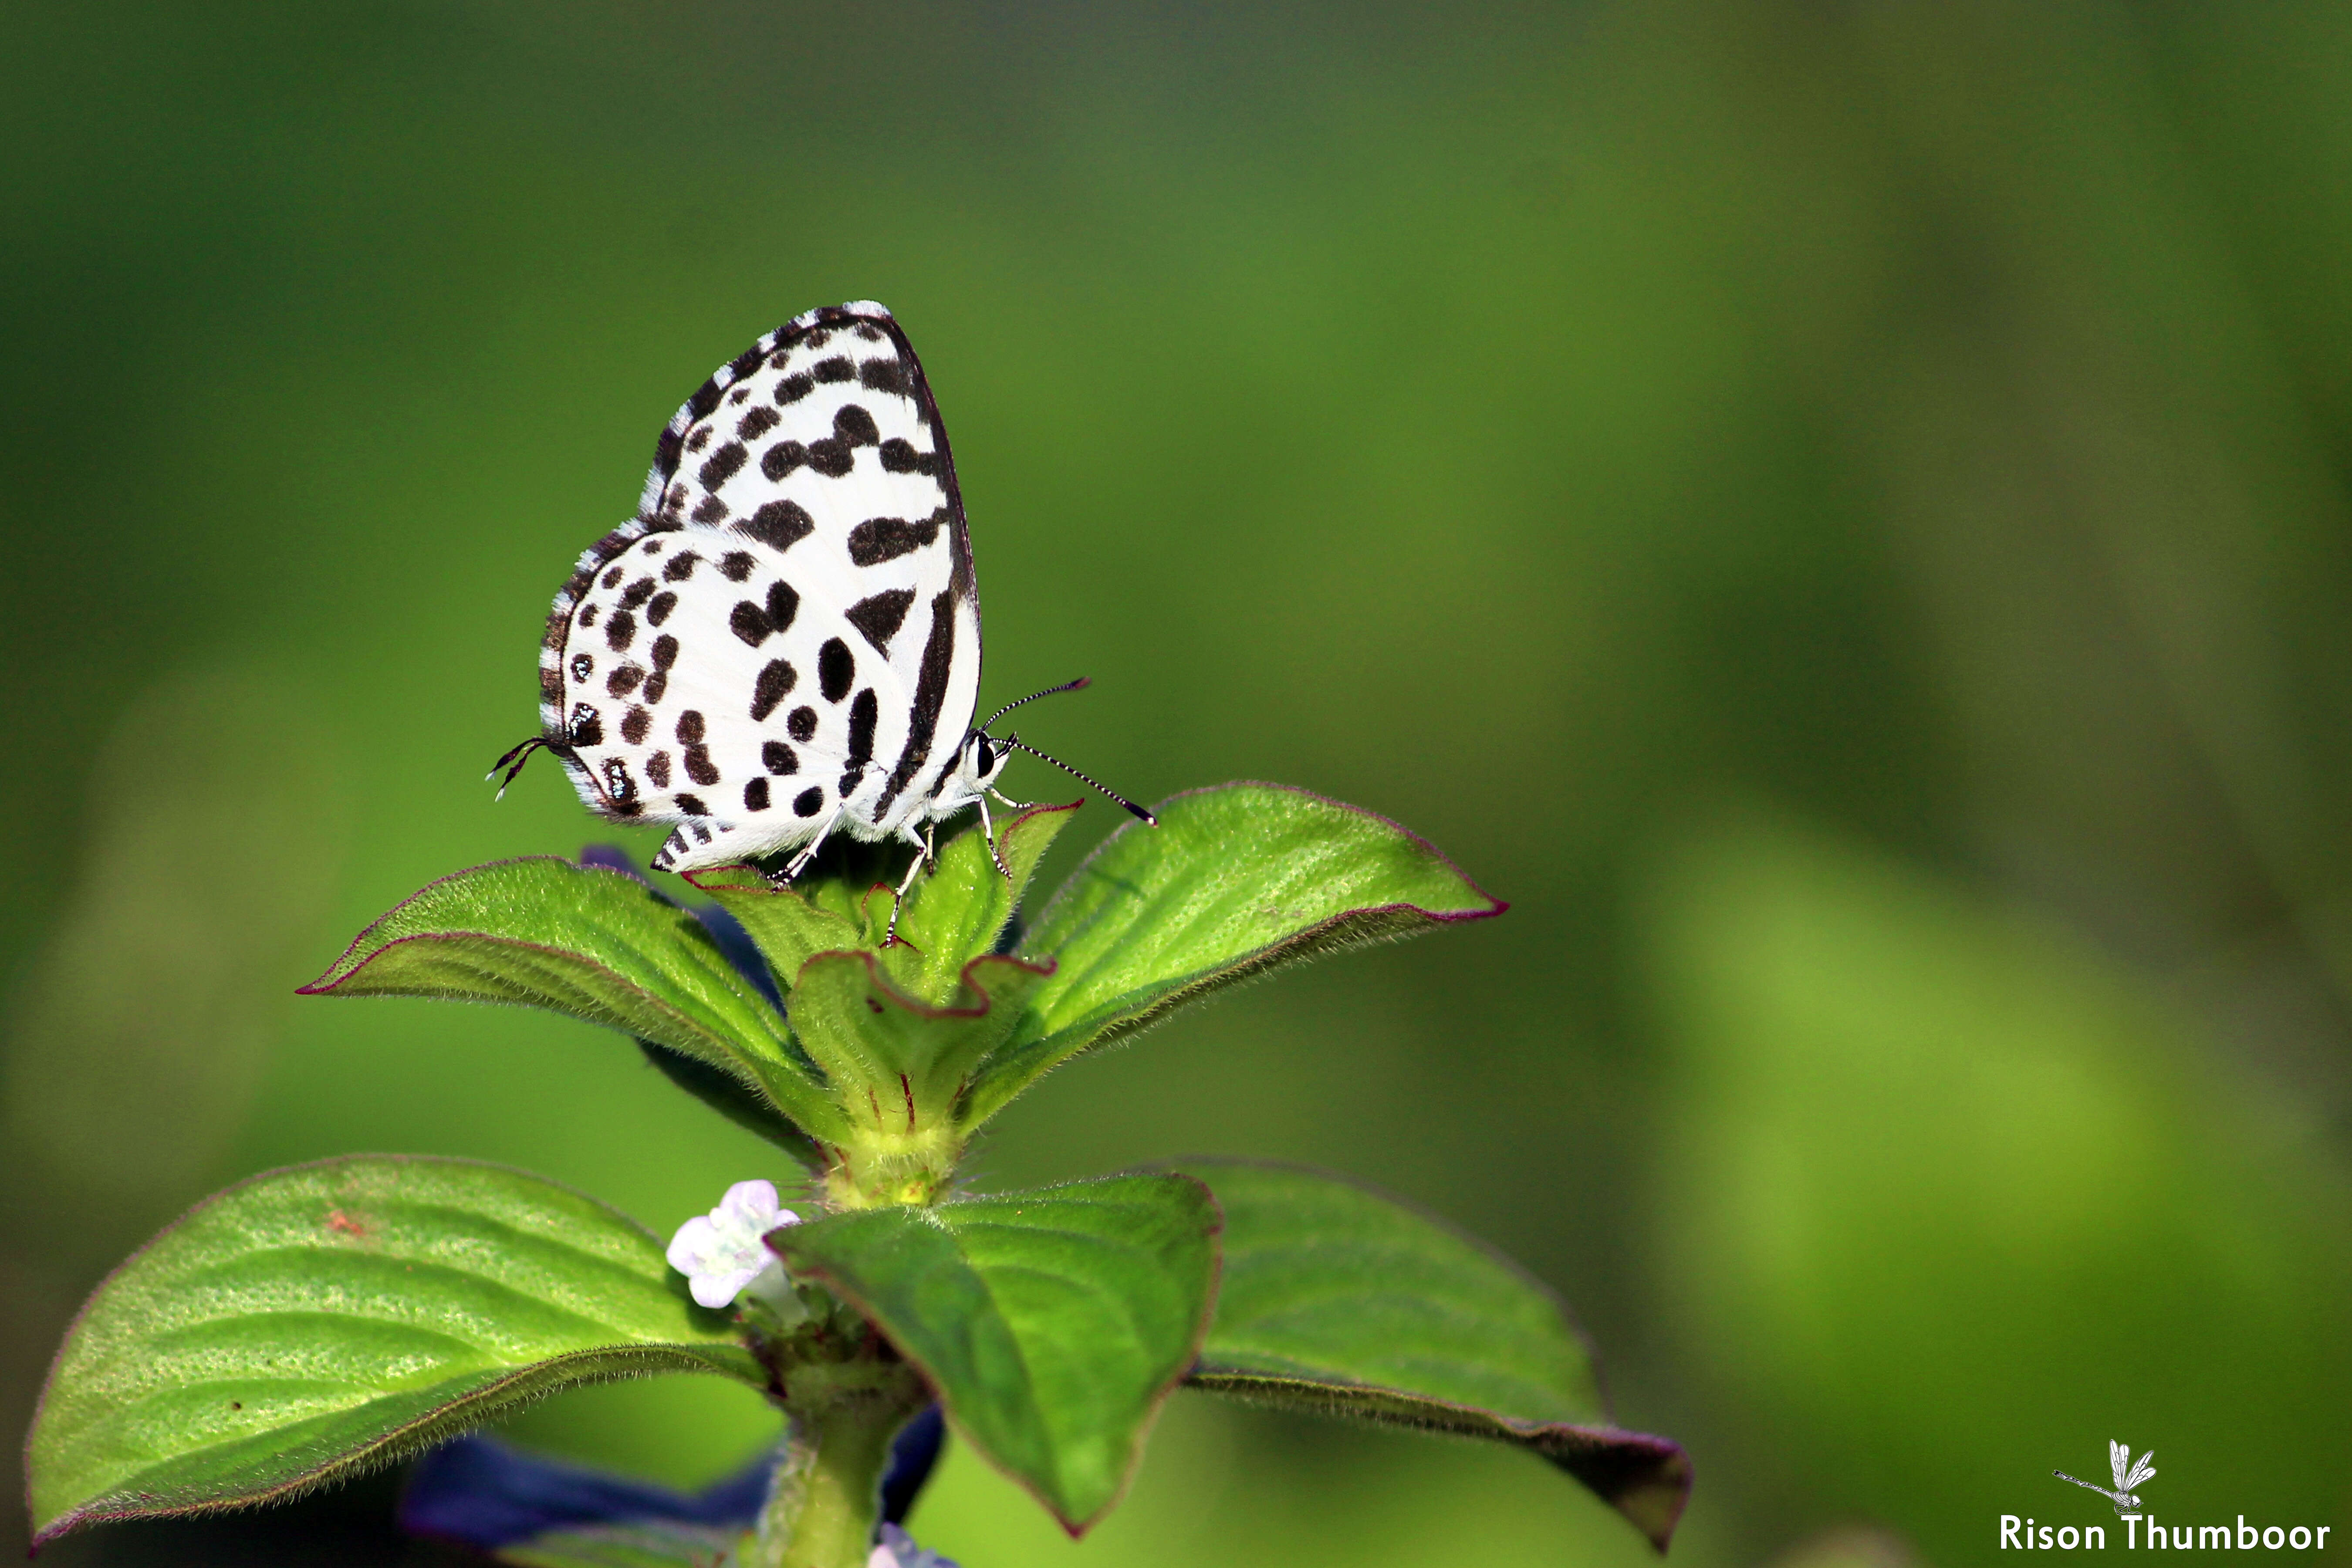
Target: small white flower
897	1549
720	1253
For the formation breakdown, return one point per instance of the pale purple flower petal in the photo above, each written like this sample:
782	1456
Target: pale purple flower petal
721	1252
897	1549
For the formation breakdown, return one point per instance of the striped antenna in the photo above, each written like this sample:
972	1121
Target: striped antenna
1017	742
1077	685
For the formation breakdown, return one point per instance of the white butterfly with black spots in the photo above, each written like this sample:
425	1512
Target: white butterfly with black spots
785	640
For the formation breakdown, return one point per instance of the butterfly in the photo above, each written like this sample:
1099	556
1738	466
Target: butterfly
785	642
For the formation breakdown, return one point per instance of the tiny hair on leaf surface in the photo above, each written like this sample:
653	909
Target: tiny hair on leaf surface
315	1320
1339	1300
1052	1324
595	944
1235	879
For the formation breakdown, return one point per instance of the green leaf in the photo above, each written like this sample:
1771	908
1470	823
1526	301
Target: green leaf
955	912
1233	880
1051	1323
952	915
895	1058
544	932
1338	1301
316	1320
790	925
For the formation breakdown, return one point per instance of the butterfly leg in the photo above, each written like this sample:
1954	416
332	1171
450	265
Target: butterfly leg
898	900
1015	804
988	828
922	843
800	861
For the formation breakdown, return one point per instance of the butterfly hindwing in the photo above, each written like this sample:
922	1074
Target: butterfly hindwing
788	632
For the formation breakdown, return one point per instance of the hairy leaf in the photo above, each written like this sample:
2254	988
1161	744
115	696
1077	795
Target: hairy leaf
1051	1323
1233	880
593	943
902	1064
956	912
791	925
953	913
318	1319
1339	1300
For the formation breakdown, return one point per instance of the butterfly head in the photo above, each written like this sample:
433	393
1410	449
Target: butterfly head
984	758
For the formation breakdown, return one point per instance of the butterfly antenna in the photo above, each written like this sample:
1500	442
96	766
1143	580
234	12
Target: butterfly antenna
1077	685
1016	740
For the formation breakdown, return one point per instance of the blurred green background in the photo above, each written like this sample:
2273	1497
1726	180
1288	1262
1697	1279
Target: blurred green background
1838	513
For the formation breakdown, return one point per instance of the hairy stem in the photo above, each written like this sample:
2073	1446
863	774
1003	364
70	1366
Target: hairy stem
826	1497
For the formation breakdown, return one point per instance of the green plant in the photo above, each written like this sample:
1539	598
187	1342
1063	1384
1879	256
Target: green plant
315	1320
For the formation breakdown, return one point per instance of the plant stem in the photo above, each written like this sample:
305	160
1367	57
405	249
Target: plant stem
827	1497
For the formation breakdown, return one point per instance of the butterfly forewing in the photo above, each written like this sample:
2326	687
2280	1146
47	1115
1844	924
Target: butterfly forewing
789	631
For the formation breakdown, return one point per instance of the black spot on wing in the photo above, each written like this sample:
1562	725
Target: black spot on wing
835	369
585	728
881	538
639	592
690	805
801	724
885	375
808	803
864	713
835	668
783	603
664	652
699	767
623	681
657	770
781	458
712	510
691	728
775	683
794	387
899	456
735	566
634	725
855	426
582	665
749	622
658	611
655	684
833	457
681	566
722	465
880	616
755	795
779	525
778	758
619	630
